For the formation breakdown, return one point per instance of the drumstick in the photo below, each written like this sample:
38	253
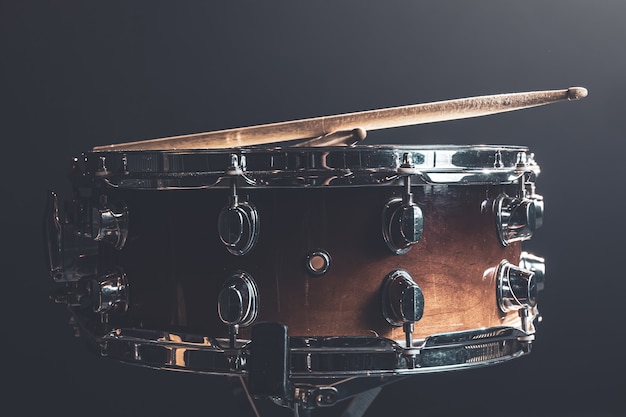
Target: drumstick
367	120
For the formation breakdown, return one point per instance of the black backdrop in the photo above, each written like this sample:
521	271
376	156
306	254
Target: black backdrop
81	73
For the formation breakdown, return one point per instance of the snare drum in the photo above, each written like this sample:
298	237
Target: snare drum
376	260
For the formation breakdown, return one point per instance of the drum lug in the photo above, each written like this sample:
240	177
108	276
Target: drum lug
516	287
70	254
536	265
109	223
516	218
402	222
527	186
238	303
110	293
402	302
238	224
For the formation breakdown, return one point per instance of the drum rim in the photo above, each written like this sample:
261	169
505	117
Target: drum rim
436	353
303	149
361	165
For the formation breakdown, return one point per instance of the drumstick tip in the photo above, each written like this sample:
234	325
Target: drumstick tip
576	93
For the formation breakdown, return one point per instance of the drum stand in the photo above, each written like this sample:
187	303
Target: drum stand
347	398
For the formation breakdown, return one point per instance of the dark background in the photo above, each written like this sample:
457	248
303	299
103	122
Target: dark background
75	74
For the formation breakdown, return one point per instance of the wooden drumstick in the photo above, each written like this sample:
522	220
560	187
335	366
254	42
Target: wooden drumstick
340	138
367	120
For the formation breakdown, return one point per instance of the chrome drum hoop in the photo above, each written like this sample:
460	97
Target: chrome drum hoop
309	167
319	357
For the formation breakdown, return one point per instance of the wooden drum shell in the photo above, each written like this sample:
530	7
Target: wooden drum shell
176	264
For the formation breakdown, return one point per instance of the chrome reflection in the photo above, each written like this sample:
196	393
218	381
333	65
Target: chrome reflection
238	223
535	264
238	303
334	357
516	287
515	219
309	167
402	302
110	293
318	262
402	219
70	255
110	224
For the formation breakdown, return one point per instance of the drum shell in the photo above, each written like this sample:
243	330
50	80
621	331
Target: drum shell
176	264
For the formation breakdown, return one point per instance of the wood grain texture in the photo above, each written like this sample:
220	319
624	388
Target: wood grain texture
366	120
176	264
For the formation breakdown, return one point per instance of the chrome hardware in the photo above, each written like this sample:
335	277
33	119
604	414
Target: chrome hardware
516	219
124	165
101	169
516	288
310	397
334	166
348	364
536	265
526	319
238	302
110	293
318	262
528	191
237	165
402	302
238	224
522	160
70	255
527	186
73	295
110	224
408	167
402	221
329	357
539	207
497	163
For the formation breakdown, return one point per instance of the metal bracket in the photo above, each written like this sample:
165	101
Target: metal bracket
310	397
